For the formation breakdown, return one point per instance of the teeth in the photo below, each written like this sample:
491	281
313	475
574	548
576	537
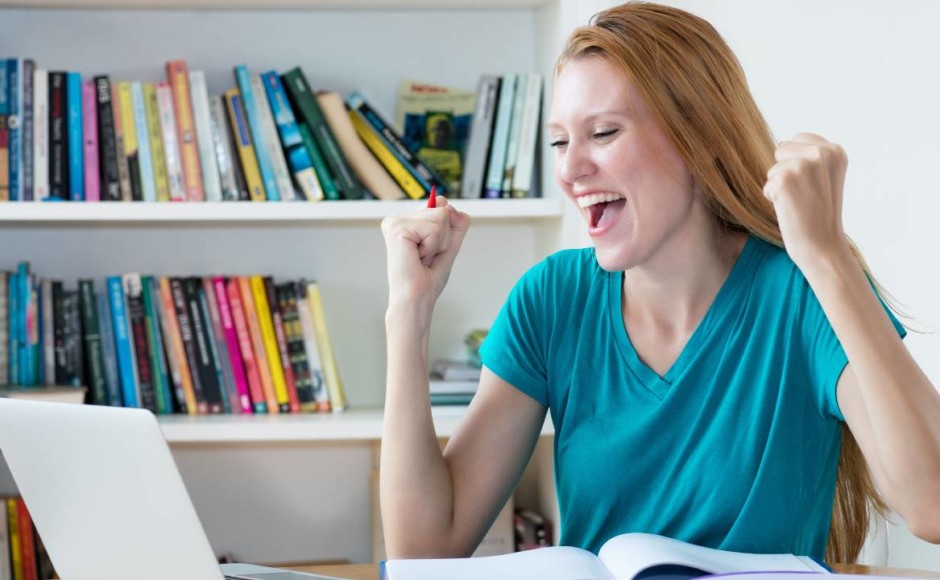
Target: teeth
591	199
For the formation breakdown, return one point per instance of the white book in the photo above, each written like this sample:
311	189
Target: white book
622	557
171	148
40	134
144	157
272	141
528	135
320	394
199	96
224	151
515	128
497	158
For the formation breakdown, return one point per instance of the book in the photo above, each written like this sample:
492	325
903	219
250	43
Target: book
177	72
380	150
523	177
434	122
280	335
125	104
243	144
271	351
496	162
107	152
144	156
317	383
94	361
90	141
515	133
199	95
6	566
14	126
41	134
252	110
140	342
29	123
123	168
108	351
253	326
223	148
623	557
76	183
232	348
266	120
158	365
481	133
157	151
4	133
127	365
49	393
176	353
58	138
255	389
334	383
196	402
455	370
171	146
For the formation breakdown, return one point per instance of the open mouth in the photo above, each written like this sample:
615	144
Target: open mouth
606	211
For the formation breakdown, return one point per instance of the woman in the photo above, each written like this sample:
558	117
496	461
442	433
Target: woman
709	364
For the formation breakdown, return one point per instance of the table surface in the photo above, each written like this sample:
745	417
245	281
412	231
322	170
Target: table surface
371	571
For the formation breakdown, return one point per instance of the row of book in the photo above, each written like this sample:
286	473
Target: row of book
268	138
195	345
22	554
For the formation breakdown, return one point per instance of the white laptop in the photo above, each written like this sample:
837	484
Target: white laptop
106	497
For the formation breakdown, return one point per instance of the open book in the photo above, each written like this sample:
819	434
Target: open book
623	557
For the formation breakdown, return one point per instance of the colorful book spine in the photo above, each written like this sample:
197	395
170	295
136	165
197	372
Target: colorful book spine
108	352
297	352
94	359
327	182
40	134
16	550
222	149
171	143
334	383
266	324
275	154
246	152
306	106
107	145
522	178
127	365
257	344
176	353
239	319
13	342
210	168
205	367
183	317
218	347
371	138
6	566
29	122
4	332
144	155
124	170
159	373
178	75
24	323
481	133
4	133
318	382
58	137
27	541
232	348
497	160
253	115
280	335
90	141
161	182
75	141
129	128
299	159
14	124
515	134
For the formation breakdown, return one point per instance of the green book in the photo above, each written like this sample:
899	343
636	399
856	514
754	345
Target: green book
94	359
319	165
305	104
159	373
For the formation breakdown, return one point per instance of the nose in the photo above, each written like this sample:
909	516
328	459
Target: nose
574	163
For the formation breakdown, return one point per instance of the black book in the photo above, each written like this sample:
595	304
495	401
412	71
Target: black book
296	347
204	363
58	137
189	342
72	335
137	315
107	145
94	358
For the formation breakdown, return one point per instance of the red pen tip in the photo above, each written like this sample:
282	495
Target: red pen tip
432	199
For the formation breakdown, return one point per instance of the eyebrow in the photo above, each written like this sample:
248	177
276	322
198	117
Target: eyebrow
556	125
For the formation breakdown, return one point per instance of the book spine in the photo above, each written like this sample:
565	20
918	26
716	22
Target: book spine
178	75
334	383
29	123
124	171
4	330
253	378
129	132
277	320
4	133
222	148
317	380
298	158
90	141
144	155
266	324
23	325
40	134
199	402
171	144
232	349
176	353
481	132
108	352
497	160
421	172
275	154
327	183
14	126
58	137
13	350
58	329
127	366
305	103
219	348
133	295
297	351
27	542
161	183
6	566
13	526
210	168
73	94
253	115
246	152
159	374
515	134
528	136
202	349
257	344
94	361
107	145
74	358
371	138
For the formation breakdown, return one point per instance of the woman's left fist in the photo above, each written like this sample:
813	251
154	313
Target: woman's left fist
805	186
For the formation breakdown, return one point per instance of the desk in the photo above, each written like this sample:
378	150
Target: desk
371	571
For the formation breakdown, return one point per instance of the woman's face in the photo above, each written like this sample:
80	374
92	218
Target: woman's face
616	163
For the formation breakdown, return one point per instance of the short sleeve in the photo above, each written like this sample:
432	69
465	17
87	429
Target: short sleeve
825	357
514	348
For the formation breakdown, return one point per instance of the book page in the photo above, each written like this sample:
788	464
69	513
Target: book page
629	554
554	563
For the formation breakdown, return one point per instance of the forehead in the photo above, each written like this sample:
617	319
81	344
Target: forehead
586	87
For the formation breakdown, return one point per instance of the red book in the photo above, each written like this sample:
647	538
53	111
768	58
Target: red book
255	390
233	350
27	544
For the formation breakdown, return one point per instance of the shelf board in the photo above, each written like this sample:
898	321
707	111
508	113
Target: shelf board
12	213
362	425
277	4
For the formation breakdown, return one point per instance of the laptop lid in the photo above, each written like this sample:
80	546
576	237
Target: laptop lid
104	492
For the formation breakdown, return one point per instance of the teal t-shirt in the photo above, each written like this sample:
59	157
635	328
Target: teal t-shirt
736	447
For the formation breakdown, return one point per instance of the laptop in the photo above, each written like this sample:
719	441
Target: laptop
106	497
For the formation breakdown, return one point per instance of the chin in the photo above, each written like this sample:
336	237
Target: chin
615	259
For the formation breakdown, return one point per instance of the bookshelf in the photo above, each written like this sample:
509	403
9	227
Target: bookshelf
297	488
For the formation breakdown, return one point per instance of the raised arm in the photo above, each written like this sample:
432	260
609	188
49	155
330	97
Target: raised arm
434	503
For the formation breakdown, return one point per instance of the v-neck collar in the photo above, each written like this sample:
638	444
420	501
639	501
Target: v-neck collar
721	307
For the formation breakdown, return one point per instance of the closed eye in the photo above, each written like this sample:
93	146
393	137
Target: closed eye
558	143
604	134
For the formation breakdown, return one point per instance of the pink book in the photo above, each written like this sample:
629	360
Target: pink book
244	346
231	341
90	141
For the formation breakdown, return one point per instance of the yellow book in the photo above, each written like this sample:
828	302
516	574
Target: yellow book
257	343
386	157
152	107
16	555
260	297
127	118
246	152
334	383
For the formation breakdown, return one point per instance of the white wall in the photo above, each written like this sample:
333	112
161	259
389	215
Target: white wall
863	74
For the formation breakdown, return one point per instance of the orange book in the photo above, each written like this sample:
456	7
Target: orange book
266	322
27	543
176	355
255	390
257	343
177	73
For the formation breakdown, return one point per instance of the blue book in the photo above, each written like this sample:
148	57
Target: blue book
497	163
298	158
144	158
13	341
108	353
15	111
22	331
127	368
265	165
73	100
